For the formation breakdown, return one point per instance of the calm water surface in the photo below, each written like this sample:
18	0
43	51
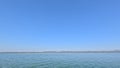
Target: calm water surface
59	60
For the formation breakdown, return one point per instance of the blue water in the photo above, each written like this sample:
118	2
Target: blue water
59	60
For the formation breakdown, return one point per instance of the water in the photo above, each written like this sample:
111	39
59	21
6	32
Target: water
59	60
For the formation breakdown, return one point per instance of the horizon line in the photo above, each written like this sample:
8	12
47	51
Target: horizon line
95	51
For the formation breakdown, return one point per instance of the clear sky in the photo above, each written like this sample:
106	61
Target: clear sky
39	25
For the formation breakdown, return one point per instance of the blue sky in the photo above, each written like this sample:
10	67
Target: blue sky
39	25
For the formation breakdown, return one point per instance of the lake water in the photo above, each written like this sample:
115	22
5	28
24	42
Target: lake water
59	60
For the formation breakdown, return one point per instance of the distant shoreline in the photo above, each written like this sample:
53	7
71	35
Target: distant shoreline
68	52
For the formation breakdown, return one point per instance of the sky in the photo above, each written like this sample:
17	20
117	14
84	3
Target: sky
44	25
